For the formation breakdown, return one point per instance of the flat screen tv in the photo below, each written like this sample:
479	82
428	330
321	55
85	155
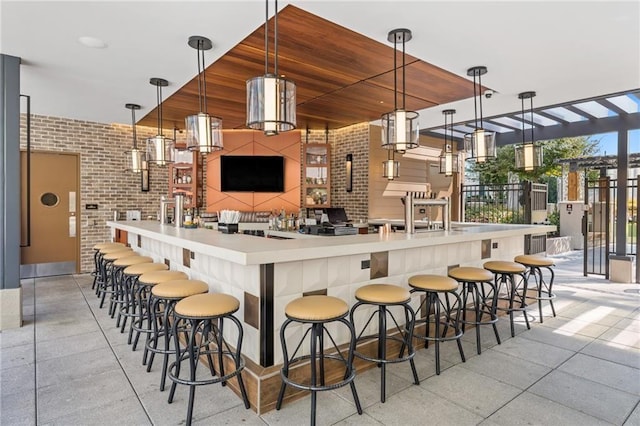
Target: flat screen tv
246	173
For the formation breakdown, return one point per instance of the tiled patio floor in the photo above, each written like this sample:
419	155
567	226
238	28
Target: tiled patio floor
69	365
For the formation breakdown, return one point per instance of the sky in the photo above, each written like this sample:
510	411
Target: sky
608	143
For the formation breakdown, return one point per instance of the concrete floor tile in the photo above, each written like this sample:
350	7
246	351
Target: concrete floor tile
631	324
475	392
358	419
552	337
330	409
64	328
80	365
530	409
613	352
17	336
411	408
575	326
506	368
18	409
16	356
634	418
127	411
605	372
209	400
622	337
17	380
591	398
368	386
536	352
234	416
86	393
70	345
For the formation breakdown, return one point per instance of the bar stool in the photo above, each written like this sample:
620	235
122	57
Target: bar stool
141	291
436	288
167	294
96	256
204	315
117	271
316	312
474	282
384	296
543	289
99	257
505	275
106	284
131	274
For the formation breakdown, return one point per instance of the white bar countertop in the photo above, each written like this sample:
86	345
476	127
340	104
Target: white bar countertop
251	250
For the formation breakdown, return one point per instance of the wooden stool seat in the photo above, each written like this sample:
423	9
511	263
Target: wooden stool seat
157	277
501	266
207	305
382	293
433	283
101	246
316	308
132	260
113	249
179	289
532	260
470	274
110	257
143	268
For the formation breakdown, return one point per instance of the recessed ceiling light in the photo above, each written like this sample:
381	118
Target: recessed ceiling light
93	42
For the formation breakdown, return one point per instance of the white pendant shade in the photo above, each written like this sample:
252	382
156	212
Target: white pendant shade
160	150
390	169
528	156
481	145
204	133
271	104
135	160
400	130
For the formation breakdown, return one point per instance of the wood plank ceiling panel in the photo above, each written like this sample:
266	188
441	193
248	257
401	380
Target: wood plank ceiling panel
341	77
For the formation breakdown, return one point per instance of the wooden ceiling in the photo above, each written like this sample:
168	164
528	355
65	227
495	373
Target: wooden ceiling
342	77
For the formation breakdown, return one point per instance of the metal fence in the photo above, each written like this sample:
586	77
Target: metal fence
504	203
600	223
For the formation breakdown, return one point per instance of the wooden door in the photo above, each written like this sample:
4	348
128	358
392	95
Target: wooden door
53	246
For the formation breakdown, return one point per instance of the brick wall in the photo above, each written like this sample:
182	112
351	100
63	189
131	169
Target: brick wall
351	140
103	180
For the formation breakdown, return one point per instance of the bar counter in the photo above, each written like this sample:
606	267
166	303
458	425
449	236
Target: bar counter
267	273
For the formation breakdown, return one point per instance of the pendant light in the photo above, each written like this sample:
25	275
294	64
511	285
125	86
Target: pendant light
135	159
481	144
528	154
271	98
390	167
400	127
204	132
448	160
159	147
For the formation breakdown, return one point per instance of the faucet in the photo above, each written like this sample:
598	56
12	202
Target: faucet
178	202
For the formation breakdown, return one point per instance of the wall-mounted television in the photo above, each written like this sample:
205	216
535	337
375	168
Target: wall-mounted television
246	173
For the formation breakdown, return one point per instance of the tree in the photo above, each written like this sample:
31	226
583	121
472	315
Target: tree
496	171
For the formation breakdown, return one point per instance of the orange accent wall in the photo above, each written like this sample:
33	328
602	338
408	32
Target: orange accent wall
251	142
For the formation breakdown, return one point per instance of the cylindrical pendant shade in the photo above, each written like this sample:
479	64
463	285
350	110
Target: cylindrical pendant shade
271	104
400	130
390	169
204	133
448	163
528	156
160	150
481	145
135	160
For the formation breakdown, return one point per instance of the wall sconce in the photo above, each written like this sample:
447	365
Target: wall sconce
349	169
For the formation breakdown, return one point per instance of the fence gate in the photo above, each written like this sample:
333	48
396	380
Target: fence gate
600	224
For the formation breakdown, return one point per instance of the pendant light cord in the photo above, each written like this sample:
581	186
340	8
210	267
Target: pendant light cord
480	97
159	100
266	37
403	72
275	40
523	130
395	73
204	80
531	115
475	101
133	126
